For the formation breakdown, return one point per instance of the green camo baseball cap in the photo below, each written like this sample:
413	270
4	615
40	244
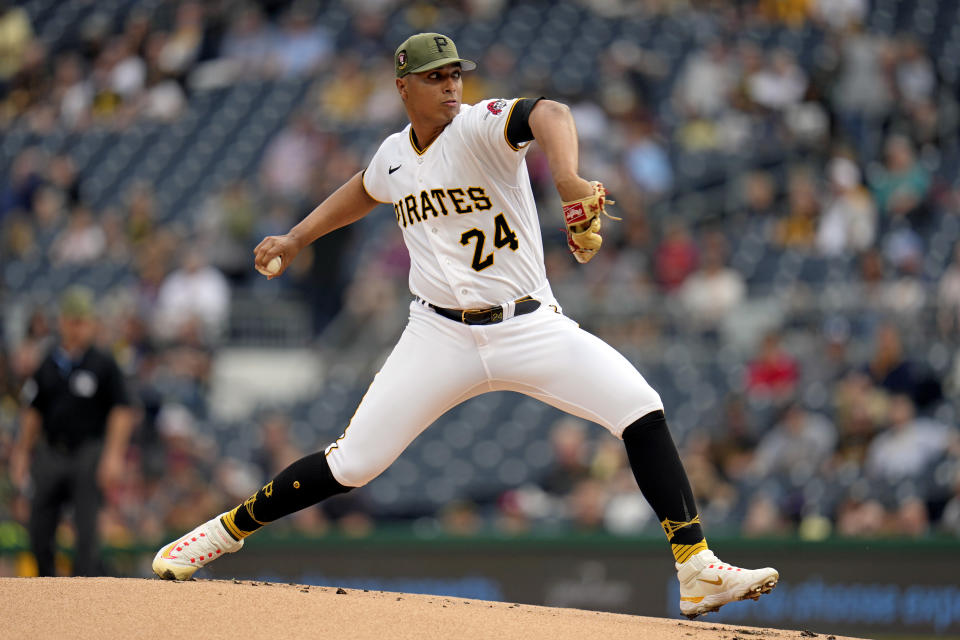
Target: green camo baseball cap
426	51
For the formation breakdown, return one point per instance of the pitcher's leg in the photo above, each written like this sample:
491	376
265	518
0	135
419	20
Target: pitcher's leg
663	481
552	359
581	374
547	356
433	368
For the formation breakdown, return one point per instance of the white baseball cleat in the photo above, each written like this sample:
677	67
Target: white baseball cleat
706	583
180	559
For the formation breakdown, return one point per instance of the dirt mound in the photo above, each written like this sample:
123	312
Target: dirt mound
108	608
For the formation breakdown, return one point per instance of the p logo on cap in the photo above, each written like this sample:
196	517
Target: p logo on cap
426	51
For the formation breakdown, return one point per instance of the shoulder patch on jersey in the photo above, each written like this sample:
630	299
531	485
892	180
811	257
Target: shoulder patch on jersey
496	107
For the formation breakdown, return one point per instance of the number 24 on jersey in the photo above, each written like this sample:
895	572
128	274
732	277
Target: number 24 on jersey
503	236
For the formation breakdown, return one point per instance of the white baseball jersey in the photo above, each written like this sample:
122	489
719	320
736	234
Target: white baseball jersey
466	210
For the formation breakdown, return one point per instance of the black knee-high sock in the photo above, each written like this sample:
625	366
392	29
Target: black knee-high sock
660	475
305	482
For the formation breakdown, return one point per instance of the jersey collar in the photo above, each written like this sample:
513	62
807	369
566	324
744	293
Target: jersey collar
413	142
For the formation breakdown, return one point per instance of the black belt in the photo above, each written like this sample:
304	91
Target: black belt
492	315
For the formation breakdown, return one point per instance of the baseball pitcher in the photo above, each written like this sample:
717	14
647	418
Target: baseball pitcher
483	317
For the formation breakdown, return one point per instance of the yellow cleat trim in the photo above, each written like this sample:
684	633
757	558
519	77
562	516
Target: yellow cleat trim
683	552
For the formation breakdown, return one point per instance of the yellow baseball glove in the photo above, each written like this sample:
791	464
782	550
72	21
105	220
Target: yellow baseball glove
582	218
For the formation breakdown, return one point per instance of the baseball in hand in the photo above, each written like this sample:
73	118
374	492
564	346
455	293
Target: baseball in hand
272	268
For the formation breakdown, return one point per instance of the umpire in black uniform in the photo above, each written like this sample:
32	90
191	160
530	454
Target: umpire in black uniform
76	426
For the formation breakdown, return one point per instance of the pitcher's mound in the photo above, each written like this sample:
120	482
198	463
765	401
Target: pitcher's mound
115	608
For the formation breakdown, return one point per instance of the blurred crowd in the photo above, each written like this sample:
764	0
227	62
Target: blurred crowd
845	153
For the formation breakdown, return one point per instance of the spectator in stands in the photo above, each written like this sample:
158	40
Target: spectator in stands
757	194
849	221
249	41
163	98
676	257
343	96
909	445
647	160
950	520
889	368
196	291
16	33
800	443
916	80
22	182
62	175
107	103
833	361
712	492
141	211
26	90
840	15
902	187
797	230
290	159
27	353
862	95
706	81
72	93
861	516
764	517
779	84
774	373
586	504
49	210
714	290
226	224
127	72
183	46
734	439
906	292
116	247
948	297
568	439
911	518
301	46
460	518
82	242
859	407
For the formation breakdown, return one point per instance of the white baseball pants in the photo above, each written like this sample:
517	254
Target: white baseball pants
439	363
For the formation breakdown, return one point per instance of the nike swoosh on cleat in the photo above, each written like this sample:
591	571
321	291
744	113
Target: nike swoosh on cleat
718	581
166	552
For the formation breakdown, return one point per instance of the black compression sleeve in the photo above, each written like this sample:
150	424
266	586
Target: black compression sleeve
518	127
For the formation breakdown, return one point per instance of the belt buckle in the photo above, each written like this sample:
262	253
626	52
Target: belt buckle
481	316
